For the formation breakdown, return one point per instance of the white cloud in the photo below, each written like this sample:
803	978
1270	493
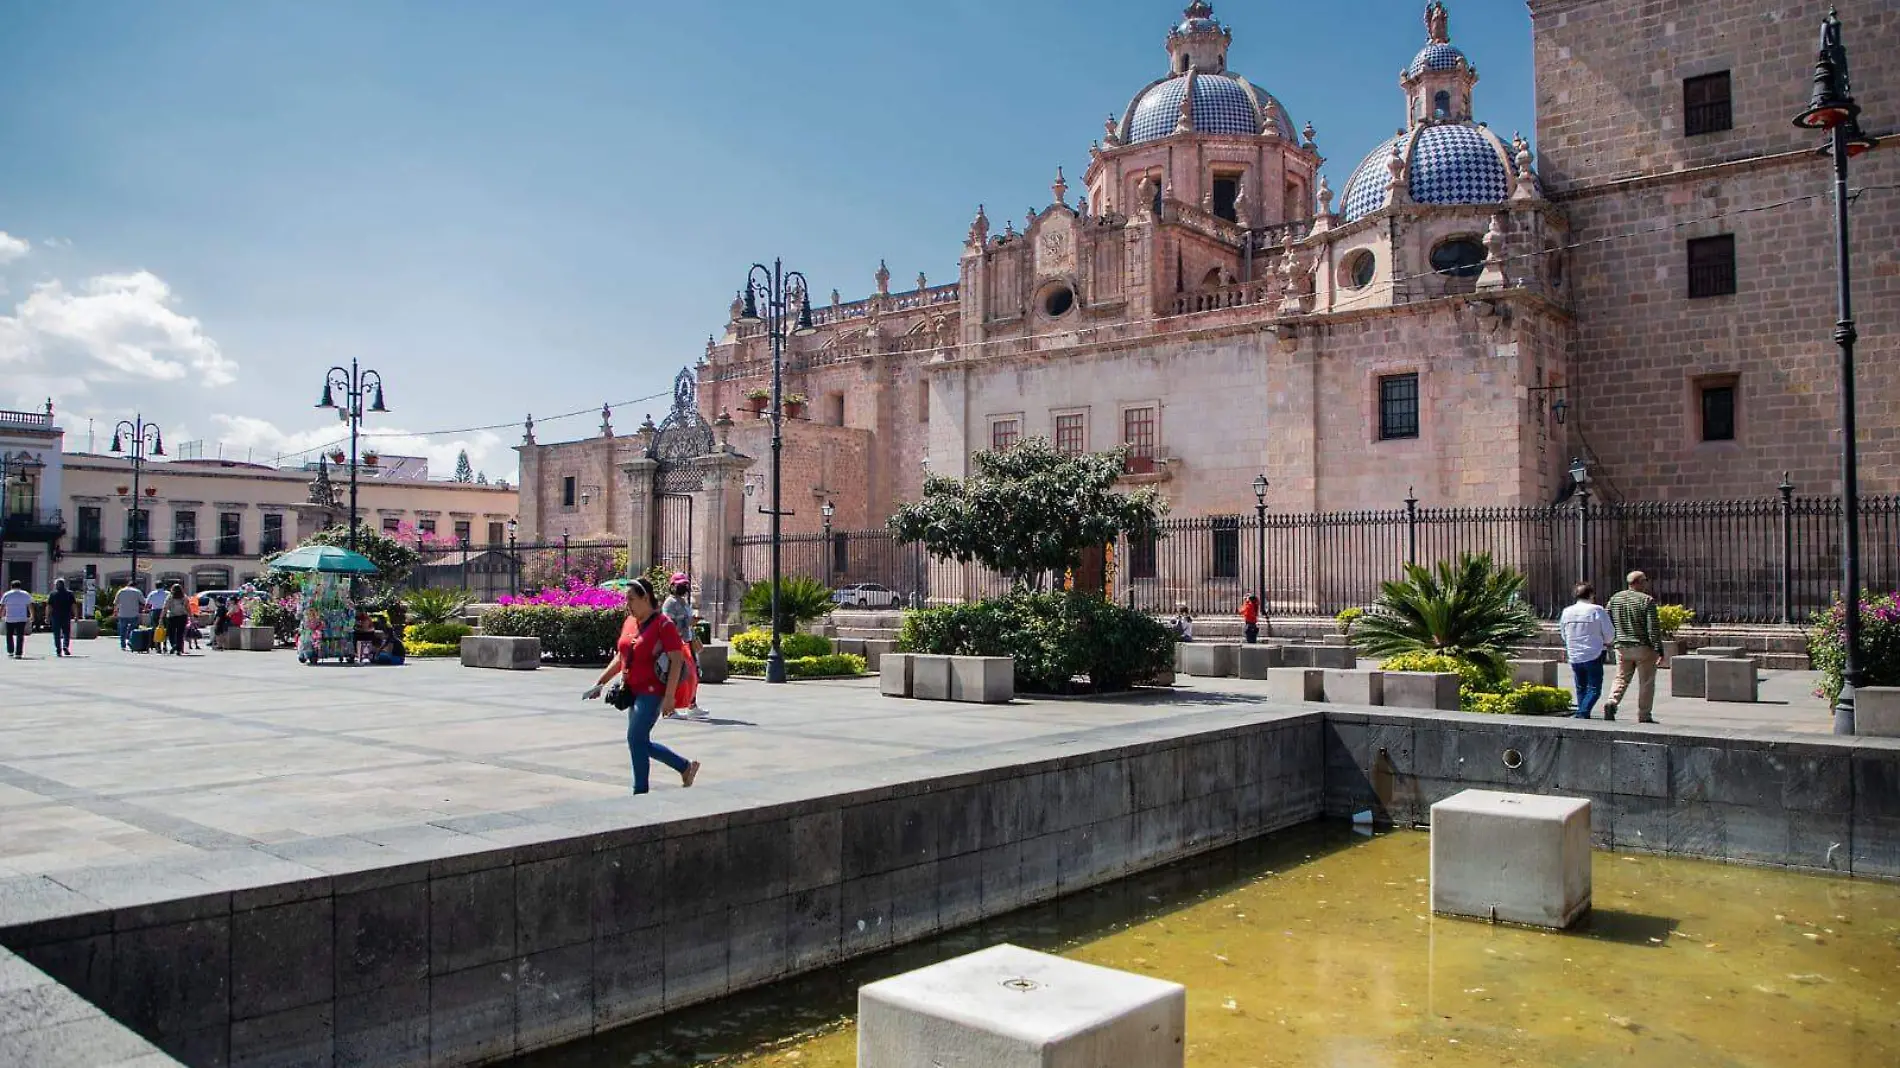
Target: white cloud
265	441
12	248
125	324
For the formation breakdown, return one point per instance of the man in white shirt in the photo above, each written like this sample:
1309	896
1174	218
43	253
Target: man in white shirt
17	605
1588	636
125	612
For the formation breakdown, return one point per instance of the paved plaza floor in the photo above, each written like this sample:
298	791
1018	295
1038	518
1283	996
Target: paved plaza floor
109	758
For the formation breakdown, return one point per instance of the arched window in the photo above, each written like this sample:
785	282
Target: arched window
1184	63
1441	105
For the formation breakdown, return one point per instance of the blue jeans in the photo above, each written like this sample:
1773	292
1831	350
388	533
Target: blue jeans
640	721
126	626
1589	680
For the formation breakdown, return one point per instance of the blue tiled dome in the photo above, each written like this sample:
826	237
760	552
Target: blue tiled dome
1436	57
1223	104
1451	163
1198	25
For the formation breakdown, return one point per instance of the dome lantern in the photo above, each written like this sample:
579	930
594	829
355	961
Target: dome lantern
1438	82
1199	42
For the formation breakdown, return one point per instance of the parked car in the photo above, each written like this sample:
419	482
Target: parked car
866	595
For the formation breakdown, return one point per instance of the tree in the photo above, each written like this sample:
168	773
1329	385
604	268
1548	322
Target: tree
464	472
1469	609
394	559
1029	511
481	478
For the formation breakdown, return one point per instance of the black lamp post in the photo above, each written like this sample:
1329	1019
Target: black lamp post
1832	108
1260	542
355	384
774	286
147	440
827	510
564	563
514	562
1580	474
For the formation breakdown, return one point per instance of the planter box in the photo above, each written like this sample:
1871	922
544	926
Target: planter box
715	663
1353	687
983	680
502	654
1206	659
1688	676
1877	711
929	677
252	639
1422	689
1534	672
894	675
875	649
86	629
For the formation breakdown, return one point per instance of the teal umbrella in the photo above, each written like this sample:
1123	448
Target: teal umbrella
325	558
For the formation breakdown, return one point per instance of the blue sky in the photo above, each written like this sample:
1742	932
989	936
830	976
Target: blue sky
510	207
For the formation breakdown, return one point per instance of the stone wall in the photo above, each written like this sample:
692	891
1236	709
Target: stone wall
1610	133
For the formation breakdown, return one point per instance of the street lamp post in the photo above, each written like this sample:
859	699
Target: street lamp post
1832	108
827	510
514	562
1411	525
564	563
355	382
147	440
1260	543
1580	474
775	287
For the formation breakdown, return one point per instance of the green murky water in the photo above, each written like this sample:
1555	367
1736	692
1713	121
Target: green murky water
1316	947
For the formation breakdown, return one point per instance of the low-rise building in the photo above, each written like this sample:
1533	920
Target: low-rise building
31	461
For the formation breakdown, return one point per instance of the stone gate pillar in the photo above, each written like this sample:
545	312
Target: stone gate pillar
640	504
721	500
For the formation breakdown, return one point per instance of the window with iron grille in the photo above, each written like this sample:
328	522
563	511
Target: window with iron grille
567	491
1226	547
495	534
230	534
1071	434
1141	557
1398	406
391	524
91	527
464	531
185	533
1718	411
1712	266
273	532
1004	433
1706	105
427	526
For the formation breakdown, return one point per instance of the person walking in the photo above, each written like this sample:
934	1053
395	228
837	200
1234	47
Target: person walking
60	606
18	609
177	611
1639	648
679	611
1588	635
649	659
1250	618
126	606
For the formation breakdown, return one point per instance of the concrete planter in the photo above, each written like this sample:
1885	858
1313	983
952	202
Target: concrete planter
874	651
983	680
929	678
715	665
501	653
252	639
1422	689
1206	659
1353	687
1534	672
1877	711
86	629
894	675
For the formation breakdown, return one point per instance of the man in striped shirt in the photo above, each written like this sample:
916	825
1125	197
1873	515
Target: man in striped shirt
1639	648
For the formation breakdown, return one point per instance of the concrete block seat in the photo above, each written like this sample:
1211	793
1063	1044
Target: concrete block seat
1534	672
1208	660
1295	685
86	630
715	663
983	680
1518	858
1008	1007
1689	675
1722	652
1352	686
1732	680
1422	689
1877	711
894	674
252	639
929	677
1255	661
874	651
501	653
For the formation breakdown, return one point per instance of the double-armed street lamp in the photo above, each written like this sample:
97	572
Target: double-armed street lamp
767	299
1832	108
146	440
356	384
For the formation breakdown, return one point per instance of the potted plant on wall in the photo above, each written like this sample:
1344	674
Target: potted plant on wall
151	491
794	405
337	456
124	490
371	459
756	399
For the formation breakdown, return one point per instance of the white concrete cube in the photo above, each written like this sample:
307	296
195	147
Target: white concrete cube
930	678
983	680
1207	660
1518	858
1732	680
715	665
1422	689
1688	676
893	675
1353	687
1296	684
1335	657
875	649
1877	711
253	639
1534	672
1254	661
86	629
1722	652
1008	1007
503	653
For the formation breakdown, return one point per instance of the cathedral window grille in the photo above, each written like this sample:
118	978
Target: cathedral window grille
1712	266
1707	106
1398	407
1004	433
1071	434
1141	557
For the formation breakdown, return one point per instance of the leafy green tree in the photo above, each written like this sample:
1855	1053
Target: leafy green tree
1029	512
464	471
394	560
1468	608
800	600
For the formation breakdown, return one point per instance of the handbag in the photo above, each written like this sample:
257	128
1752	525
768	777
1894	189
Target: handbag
618	696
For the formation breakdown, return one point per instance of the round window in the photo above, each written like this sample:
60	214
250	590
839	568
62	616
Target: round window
1057	301
1461	257
1360	267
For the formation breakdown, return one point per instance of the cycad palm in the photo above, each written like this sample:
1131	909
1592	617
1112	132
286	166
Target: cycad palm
1469	608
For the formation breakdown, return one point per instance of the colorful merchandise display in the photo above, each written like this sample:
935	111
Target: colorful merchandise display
326	619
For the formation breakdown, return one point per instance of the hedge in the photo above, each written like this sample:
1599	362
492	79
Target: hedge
568	635
830	666
1479	691
1054	638
439	633
427	650
757	643
1524	700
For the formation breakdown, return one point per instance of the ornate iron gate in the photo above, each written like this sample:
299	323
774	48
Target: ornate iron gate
673	531
680	445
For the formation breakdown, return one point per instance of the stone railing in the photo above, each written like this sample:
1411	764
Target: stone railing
1216	298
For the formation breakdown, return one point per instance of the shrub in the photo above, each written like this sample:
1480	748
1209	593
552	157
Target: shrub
393	559
436	606
277	613
1347	617
439	633
832	665
757	643
1879	644
1521	701
1472	677
1054	637
1469	608
426	650
569	635
1673	617
800	600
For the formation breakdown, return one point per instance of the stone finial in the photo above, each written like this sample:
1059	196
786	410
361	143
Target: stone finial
834	298
1437	23
1060	187
979	228
1243	207
738	307
722	427
606	421
527	430
1082	205
1492	277
1291	282
1009	230
1207	201
1108	132
710	346
1396	189
1147	195
883	277
648	427
1184	123
1323	197
49	407
1526	179
1307	137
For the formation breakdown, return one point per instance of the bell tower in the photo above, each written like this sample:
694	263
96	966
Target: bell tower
1438	82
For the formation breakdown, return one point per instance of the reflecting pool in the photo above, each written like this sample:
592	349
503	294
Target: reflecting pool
1317	947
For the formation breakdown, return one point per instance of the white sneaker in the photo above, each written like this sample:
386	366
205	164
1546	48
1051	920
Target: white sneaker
697	712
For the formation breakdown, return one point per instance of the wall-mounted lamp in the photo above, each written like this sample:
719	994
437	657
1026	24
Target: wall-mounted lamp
1557	405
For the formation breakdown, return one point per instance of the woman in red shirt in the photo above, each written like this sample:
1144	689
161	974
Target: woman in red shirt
649	644
1250	618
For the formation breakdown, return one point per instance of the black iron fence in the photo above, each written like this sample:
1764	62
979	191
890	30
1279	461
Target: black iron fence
490	571
1768	560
